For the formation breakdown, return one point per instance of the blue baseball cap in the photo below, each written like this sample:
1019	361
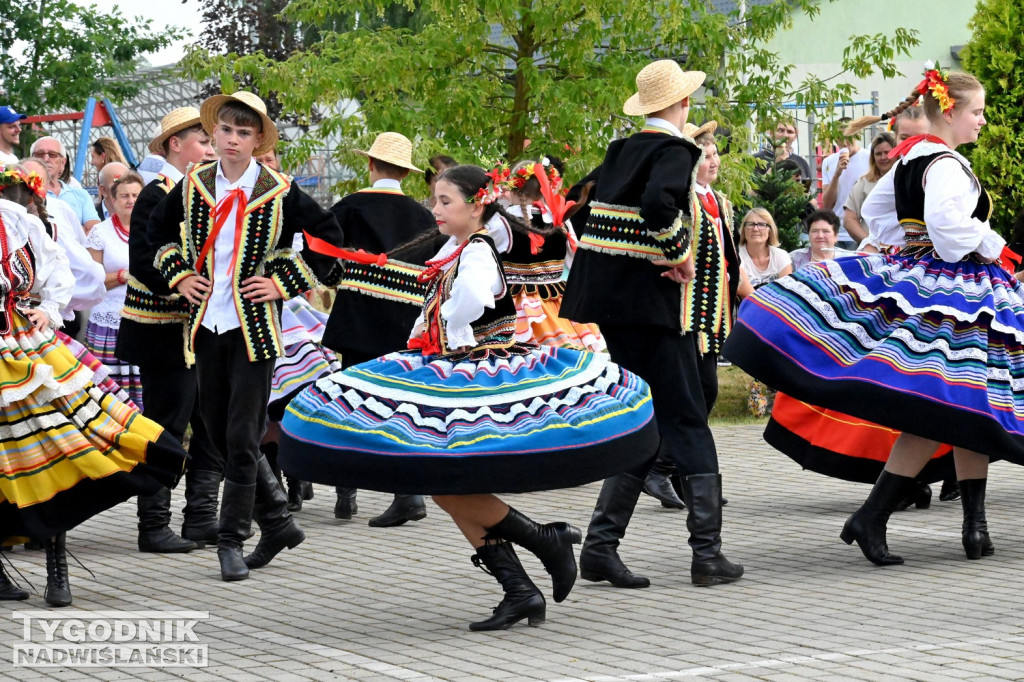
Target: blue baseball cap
9	115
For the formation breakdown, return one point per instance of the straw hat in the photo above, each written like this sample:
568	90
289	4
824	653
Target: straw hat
211	107
659	85
392	148
174	122
691	131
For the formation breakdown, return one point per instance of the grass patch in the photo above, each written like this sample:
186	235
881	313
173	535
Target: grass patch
733	390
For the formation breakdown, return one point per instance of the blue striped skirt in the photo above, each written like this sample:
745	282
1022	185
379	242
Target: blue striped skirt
917	344
404	423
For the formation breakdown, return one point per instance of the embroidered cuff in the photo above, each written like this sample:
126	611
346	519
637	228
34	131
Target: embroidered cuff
172	265
52	311
991	246
675	241
290	273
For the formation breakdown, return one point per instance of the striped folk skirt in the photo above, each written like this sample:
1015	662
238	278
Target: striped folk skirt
913	343
101	342
508	420
68	449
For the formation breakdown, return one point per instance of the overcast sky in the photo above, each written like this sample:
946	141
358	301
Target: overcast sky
163	13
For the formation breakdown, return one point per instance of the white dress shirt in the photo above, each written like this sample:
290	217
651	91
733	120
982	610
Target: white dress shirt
221	315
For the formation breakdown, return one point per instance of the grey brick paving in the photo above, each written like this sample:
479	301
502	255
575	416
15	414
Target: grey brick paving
358	603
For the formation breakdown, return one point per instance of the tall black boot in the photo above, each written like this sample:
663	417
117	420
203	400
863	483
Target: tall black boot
235	522
658	484
975	530
950	491
269	450
403	508
599	558
295	496
58	586
202	491
346	505
867	524
278	528
522	598
703	496
551	543
155	534
8	590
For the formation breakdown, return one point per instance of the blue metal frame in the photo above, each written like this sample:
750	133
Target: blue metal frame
83	139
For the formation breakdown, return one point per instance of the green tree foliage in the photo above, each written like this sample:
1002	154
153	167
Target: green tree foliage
58	53
995	54
482	79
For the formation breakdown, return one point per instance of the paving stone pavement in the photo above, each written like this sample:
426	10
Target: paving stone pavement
358	603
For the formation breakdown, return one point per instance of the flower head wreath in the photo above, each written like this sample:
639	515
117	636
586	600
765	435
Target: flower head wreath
526	173
935	82
498	182
15	176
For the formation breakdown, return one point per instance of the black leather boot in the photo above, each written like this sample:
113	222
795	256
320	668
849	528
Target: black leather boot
919	495
278	528
155	534
202	492
346	505
599	558
867	525
950	491
295	496
403	508
703	496
58	586
235	522
8	590
307	490
975	529
551	543
522	598
658	485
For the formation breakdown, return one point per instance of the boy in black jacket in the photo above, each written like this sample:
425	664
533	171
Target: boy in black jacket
634	275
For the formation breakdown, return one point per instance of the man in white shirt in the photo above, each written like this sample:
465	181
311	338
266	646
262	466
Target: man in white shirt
10	135
839	173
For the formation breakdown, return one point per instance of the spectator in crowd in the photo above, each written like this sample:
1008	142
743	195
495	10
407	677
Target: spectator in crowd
823	232
839	172
104	181
51	152
105	150
781	148
879	164
10	135
108	244
760	255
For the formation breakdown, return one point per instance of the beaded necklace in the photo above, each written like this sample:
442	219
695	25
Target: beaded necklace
119	228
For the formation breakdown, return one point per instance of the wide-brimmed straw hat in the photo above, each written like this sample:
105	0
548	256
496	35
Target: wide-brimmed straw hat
661	84
179	119
393	148
211	107
691	131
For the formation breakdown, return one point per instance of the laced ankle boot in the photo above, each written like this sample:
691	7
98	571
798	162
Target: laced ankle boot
58	585
522	598
975	529
551	543
8	590
867	525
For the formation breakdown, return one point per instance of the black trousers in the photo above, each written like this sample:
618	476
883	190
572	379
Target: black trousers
683	386
233	396
171	396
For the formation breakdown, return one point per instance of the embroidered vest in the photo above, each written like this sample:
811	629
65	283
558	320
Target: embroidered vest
534	263
17	273
494	329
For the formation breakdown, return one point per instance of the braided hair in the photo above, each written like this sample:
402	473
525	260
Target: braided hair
959	83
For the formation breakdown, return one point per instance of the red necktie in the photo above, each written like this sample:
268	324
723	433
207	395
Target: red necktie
235	197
